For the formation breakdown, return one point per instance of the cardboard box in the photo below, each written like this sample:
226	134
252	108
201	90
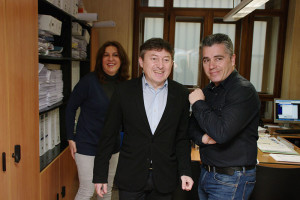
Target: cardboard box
84	36
51	1
50	24
74	7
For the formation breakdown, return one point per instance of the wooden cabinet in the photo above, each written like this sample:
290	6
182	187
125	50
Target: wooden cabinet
50	187
19	99
59	180
4	146
68	175
19	105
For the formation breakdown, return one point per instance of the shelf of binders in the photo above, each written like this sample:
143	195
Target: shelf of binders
53	138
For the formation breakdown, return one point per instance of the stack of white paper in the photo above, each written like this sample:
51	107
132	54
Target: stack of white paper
286	158
271	145
50	86
42	86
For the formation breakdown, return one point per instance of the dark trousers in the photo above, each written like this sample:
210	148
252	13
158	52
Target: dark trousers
148	193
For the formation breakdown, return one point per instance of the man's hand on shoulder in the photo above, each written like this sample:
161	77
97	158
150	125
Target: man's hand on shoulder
186	183
196	95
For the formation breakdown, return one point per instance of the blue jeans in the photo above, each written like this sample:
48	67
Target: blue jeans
215	186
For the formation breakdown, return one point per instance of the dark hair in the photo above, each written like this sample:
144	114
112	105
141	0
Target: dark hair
123	73
218	38
156	44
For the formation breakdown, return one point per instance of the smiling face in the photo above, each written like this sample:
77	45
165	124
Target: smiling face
217	63
157	66
111	61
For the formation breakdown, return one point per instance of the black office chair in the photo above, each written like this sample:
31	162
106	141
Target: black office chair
276	184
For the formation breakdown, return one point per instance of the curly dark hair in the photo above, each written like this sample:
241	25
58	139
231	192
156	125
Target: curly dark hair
123	73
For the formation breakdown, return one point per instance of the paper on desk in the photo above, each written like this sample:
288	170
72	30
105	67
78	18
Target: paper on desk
286	158
261	129
272	126
269	144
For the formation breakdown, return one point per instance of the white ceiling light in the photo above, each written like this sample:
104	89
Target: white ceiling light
243	9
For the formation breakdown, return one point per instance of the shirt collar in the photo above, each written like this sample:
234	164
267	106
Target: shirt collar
225	83
146	84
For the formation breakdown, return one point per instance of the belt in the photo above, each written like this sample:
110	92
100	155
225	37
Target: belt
227	170
150	167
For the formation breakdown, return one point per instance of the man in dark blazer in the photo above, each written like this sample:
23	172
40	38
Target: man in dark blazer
154	113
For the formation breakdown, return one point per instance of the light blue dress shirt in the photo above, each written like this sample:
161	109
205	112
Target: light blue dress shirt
155	102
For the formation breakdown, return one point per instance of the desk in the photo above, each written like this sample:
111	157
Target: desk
274	180
265	159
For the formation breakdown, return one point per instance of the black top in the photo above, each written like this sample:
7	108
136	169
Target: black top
93	99
230	115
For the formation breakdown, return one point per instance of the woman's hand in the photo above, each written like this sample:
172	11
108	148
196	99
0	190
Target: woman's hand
73	148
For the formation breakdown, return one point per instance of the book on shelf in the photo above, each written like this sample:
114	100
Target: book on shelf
57	127
49	131
46	133
75	73
53	129
41	134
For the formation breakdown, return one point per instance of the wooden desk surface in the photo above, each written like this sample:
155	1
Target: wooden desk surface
264	159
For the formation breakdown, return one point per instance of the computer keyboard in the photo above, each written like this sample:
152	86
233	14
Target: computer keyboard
287	131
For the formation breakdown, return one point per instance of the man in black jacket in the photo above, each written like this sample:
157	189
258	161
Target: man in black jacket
224	124
154	112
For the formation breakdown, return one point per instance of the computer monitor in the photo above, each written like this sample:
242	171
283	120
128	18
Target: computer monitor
286	111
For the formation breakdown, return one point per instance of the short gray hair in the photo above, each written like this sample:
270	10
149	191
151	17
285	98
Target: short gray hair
218	38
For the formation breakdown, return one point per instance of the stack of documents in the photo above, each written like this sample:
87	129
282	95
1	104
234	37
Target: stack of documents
49	26
286	158
79	48
50	86
46	47
75	50
269	144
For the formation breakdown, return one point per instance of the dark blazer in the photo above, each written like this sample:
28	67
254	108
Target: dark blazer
169	147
